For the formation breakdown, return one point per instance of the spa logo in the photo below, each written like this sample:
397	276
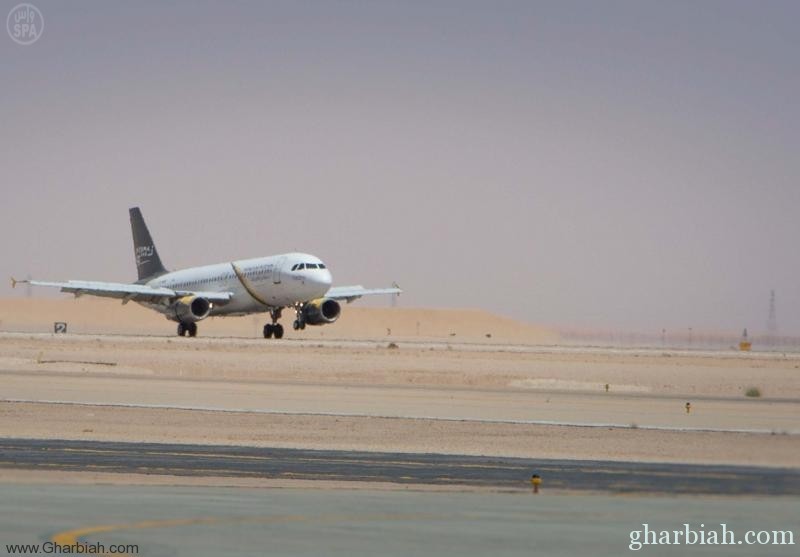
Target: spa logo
25	24
143	254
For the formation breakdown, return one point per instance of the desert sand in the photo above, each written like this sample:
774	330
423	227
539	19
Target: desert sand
46	421
449	389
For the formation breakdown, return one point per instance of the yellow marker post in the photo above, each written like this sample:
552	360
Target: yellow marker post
745	345
535	482
688	407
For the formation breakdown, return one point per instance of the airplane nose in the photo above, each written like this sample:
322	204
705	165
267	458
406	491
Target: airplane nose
319	279
325	278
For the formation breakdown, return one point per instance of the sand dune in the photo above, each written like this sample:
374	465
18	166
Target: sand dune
93	315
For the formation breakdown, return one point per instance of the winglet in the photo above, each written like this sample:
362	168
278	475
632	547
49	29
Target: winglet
14	282
395	285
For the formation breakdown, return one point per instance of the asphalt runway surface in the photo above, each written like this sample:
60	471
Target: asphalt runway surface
214	521
399	468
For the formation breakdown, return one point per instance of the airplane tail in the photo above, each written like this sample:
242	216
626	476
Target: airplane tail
148	263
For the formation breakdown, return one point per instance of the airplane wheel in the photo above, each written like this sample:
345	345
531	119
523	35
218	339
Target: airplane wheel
181	329
278	330
302	325
268	330
296	325
192	328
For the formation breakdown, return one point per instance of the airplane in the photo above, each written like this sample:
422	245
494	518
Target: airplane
264	284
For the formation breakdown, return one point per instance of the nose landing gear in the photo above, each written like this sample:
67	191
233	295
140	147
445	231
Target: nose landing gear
300	322
274	329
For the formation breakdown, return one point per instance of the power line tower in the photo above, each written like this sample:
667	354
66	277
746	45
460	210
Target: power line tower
772	320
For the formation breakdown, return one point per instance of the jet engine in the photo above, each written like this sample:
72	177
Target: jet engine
191	308
321	311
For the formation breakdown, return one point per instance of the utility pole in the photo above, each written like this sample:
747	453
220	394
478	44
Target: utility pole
772	320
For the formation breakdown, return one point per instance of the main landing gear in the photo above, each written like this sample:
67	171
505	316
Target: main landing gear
184	328
274	329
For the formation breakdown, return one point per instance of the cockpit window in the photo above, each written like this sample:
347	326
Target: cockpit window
301	266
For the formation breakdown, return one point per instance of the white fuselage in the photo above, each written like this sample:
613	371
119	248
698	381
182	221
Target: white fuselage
258	285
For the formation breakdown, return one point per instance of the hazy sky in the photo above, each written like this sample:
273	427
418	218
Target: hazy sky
622	164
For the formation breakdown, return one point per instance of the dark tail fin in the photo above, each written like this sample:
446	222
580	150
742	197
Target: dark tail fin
148	263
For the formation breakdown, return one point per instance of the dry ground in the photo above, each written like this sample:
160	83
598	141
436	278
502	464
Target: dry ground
287	390
393	435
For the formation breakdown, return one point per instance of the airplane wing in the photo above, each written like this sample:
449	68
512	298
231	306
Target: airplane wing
350	293
125	292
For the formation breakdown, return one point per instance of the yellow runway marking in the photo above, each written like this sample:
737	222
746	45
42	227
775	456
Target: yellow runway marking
77	535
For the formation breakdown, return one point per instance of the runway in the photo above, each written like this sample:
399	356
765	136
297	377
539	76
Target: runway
209	521
399	468
423	344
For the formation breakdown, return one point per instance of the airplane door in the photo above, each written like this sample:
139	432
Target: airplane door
276	272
